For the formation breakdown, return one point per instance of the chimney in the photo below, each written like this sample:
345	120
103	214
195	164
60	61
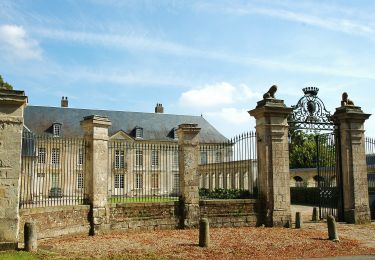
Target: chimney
159	109
64	102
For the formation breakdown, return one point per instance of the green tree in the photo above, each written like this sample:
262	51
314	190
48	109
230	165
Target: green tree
4	84
303	150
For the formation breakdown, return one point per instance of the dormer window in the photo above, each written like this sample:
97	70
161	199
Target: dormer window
139	133
175	135
56	128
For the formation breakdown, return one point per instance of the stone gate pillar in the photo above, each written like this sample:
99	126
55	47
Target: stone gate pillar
96	135
273	160
188	141
12	103
351	151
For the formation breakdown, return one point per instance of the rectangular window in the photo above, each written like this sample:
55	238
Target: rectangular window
154	158
139	132
41	155
203	157
138	158
56	130
41	175
80	156
119	159
155	181
55	157
119	181
175	160
54	180
80	181
217	157
176	181
139	181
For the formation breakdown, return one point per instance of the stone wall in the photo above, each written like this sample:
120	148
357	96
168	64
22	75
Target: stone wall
230	213
144	216
57	221
67	220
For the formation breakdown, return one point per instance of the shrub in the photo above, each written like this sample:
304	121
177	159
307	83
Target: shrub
226	194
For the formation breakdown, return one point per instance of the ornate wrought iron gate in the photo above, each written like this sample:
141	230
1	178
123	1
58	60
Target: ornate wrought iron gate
311	118
328	179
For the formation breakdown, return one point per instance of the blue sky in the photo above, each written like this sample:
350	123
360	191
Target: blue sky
214	58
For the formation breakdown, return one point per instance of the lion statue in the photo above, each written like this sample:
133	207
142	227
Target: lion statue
271	92
346	101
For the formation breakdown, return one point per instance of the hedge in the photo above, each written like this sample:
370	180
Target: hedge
226	194
304	195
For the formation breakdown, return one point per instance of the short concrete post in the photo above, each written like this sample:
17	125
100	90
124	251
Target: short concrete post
188	141
96	134
314	215
299	221
273	159
204	233
12	103
332	230
30	237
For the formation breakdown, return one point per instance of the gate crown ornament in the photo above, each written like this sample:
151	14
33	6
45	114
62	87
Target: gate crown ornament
310	112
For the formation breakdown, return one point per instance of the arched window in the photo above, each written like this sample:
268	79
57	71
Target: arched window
318	179
299	181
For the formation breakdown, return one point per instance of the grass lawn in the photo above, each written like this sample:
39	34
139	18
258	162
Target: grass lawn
23	255
142	199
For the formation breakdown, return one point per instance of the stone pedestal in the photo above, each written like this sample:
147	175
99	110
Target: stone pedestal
188	140
96	135
273	161
350	121
12	104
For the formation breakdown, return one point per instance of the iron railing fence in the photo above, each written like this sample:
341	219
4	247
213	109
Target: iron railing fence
229	169
370	161
53	171
143	172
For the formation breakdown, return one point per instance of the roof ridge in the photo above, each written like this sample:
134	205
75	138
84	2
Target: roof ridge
107	110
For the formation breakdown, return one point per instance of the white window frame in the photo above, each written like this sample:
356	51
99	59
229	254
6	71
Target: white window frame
80	181
42	155
56	130
139	181
175	160
176	181
217	157
80	156
204	157
55	156
119	159
54	180
154	158
175	135
139	133
155	177
119	181
138	158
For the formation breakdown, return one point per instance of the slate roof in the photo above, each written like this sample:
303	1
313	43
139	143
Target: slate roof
156	126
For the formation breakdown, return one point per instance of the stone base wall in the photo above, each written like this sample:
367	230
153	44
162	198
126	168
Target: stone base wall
230	213
56	221
148	216
67	220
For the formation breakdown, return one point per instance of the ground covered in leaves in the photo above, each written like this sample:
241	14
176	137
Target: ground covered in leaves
226	243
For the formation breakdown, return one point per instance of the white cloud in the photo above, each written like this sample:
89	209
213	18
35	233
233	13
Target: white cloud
14	41
218	94
231	115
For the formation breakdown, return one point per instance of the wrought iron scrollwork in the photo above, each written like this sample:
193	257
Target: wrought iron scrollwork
310	112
